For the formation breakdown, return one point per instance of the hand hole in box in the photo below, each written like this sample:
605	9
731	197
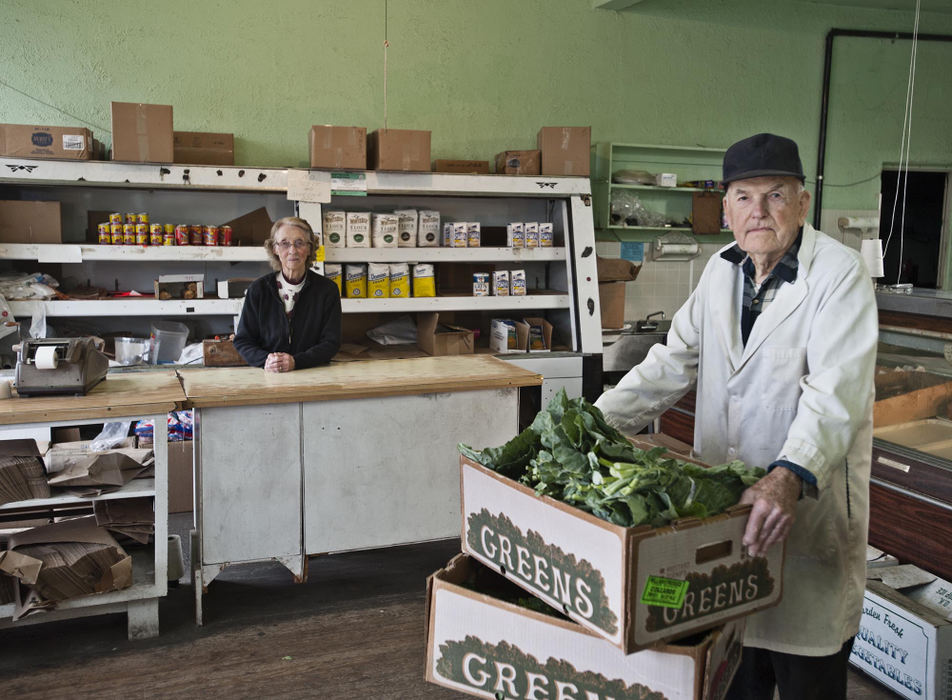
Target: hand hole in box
710	552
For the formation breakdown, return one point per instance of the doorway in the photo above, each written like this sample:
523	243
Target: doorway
921	238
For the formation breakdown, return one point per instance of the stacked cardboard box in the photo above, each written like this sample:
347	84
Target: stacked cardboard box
38	141
622	612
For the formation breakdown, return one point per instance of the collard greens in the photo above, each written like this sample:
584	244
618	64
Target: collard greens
572	454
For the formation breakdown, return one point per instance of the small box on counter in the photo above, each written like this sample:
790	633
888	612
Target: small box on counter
142	133
666	180
35	141
508	336
468	167
221	352
30	222
540	334
398	149
519	162
203	148
233	287
481	641
905	633
338	147
635	587
566	150
180	287
437	338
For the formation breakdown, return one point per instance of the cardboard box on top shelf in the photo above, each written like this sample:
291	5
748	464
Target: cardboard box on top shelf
142	133
435	338
36	141
203	148
480	638
566	150
338	147
633	586
519	163
398	149
469	167
30	222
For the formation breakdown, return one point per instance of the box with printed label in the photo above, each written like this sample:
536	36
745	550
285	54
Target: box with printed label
35	141
634	587
906	643
482	642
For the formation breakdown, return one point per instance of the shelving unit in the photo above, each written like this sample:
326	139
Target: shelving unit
674	203
562	280
149	562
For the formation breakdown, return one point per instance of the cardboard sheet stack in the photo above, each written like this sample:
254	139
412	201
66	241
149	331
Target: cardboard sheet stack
22	475
64	560
88	473
132	518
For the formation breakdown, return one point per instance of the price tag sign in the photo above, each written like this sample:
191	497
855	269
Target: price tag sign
664	592
349	184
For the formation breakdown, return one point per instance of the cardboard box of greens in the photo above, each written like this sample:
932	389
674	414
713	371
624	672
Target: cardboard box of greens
34	141
142	132
481	642
633	586
905	633
203	148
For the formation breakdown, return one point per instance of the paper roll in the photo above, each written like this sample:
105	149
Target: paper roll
872	252
863	223
5	391
45	357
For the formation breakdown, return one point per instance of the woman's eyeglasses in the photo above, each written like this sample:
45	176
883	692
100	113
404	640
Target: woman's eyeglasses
286	245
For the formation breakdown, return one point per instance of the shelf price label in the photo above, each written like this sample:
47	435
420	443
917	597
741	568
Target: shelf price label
349	184
309	186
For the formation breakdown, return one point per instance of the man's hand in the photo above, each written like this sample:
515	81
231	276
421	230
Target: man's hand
279	362
774	500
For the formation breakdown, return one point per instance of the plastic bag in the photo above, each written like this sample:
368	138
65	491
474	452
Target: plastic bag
110	436
400	331
627	209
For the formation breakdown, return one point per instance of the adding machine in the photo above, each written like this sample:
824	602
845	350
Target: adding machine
59	366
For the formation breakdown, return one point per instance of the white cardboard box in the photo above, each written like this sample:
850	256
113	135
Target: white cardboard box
903	644
481	645
633	586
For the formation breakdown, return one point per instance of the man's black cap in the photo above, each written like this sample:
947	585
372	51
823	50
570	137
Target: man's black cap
762	154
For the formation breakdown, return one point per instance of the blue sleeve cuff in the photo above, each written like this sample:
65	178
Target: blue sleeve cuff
806	476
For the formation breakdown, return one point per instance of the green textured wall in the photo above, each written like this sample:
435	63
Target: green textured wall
483	75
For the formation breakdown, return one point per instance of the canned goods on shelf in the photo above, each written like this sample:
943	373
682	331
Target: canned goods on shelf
130	218
105	234
142	218
115	231
129	234
168	238
181	234
155	234
224	234
170	228
142	234
210	235
115	217
194	234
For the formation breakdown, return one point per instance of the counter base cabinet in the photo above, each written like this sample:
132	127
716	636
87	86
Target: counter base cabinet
348	474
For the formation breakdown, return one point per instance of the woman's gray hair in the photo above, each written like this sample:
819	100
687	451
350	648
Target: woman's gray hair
297	223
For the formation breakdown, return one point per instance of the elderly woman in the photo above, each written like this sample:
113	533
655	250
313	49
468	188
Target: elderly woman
290	319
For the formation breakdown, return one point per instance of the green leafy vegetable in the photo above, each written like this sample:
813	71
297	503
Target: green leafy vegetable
571	453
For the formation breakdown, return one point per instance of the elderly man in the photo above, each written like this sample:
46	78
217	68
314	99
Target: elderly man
779	339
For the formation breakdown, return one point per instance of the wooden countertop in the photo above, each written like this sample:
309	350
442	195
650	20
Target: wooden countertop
120	394
238	386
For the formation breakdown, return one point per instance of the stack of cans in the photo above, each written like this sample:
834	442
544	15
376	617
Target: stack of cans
135	229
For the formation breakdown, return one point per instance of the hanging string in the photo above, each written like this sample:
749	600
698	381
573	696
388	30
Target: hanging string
386	45
904	146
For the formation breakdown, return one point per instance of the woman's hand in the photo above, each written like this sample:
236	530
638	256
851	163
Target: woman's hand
279	362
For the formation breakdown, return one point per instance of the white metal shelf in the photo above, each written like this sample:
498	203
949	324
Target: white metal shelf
77	253
461	303
494	254
137	488
128	306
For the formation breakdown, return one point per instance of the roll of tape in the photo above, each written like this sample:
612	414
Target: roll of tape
45	357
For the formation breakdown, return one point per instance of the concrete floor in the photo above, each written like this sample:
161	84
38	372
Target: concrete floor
355	629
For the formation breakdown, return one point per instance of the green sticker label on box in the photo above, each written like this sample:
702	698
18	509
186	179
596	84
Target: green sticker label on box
666	592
